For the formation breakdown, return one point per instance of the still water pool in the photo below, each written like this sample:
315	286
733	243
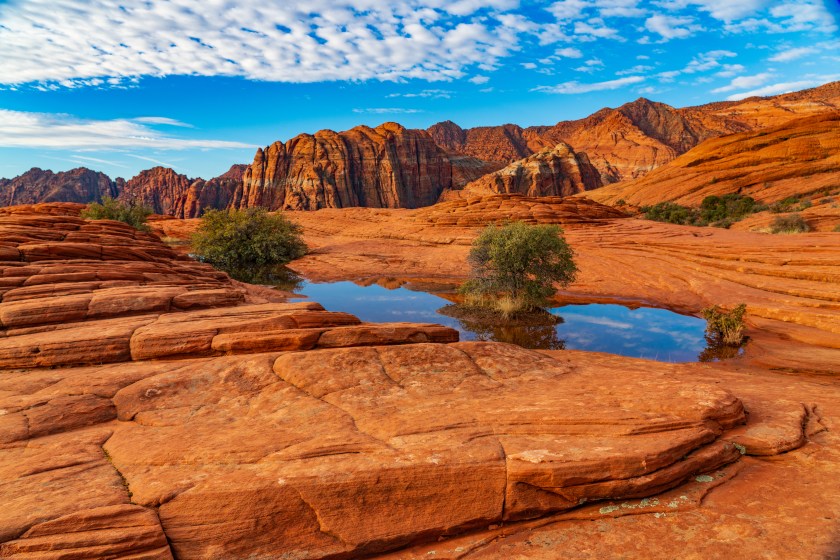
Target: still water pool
642	333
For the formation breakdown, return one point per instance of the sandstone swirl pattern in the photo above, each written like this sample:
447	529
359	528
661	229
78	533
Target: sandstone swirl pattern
153	408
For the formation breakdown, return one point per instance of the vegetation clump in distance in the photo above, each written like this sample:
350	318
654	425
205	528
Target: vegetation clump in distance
514	268
792	223
231	239
717	211
110	209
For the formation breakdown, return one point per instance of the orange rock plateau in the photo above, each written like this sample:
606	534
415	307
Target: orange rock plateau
151	407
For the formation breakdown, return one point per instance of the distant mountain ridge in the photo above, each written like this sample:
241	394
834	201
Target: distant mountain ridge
391	166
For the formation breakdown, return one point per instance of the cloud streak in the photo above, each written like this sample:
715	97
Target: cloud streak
577	87
20	129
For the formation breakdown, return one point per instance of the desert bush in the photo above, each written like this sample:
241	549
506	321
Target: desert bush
515	267
725	327
110	209
621	202
792	223
805	204
232	239
722	211
784	205
671	213
836	228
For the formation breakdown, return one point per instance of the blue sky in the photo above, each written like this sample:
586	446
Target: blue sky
198	85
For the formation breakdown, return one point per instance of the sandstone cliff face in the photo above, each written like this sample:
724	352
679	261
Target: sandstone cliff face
630	141
160	188
37	185
506	143
385	167
800	157
557	171
216	193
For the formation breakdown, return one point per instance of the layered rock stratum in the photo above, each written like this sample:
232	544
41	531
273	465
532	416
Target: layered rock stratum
393	167
77	185
797	158
154	408
384	167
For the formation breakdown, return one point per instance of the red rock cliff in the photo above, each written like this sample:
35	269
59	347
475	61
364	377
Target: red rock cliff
37	185
385	167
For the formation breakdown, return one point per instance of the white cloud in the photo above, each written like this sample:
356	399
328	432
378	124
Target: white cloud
745	82
671	27
568	9
88	159
387	110
96	43
784	87
479	79
730	70
724	10
426	93
793	54
153	160
638	69
703	62
577	87
161	120
569	52
20	129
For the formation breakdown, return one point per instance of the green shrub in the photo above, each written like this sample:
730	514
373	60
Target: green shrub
671	213
836	228
514	267
793	223
784	205
725	327
621	202
722	211
110	209
235	238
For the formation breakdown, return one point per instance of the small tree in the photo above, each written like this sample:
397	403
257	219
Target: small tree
252	237
725	327
110	209
515	267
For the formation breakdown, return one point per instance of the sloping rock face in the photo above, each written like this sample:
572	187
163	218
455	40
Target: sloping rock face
629	141
798	158
153	408
217	193
557	171
386	167
160	188
505	144
36	185
497	209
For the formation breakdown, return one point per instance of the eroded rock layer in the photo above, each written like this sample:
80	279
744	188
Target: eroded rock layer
78	185
386	167
557	171
797	158
202	419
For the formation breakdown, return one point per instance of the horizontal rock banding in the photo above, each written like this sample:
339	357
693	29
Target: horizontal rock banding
323	436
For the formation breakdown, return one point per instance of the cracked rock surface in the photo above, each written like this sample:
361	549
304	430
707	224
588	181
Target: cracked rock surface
188	416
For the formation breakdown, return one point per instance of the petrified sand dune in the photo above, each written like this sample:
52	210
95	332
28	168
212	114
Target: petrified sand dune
228	426
800	157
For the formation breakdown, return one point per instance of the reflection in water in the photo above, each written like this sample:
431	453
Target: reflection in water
277	276
656	334
536	330
716	350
